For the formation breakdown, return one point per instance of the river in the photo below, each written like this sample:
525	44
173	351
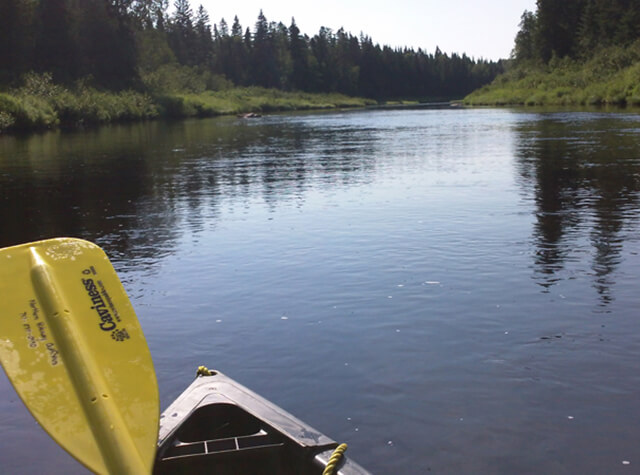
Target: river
447	291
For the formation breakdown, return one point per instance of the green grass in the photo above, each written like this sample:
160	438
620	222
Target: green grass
251	99
174	92
40	104
611	76
91	106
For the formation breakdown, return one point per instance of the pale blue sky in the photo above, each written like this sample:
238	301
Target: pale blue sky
480	29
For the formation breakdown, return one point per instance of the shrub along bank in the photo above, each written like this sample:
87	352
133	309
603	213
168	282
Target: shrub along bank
610	76
40	104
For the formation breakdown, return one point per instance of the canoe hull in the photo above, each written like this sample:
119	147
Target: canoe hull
218	424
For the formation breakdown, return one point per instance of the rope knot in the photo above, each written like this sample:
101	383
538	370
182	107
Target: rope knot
203	371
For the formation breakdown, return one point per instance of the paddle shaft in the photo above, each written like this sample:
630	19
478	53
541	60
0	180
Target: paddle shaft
107	425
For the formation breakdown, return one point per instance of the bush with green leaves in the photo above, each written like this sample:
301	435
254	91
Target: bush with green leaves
610	76
26	112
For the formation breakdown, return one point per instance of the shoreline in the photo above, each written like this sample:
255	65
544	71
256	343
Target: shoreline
62	109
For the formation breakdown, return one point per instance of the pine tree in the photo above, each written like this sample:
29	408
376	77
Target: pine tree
204	40
299	51
236	29
558	25
525	43
183	16
16	39
106	45
238	61
223	28
284	65
142	11
182	36
160	13
263	61
56	49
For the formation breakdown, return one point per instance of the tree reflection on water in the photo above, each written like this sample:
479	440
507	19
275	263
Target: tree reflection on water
135	188
584	171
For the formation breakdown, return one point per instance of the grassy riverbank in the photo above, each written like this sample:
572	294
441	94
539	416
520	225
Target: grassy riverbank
41	104
239	100
611	76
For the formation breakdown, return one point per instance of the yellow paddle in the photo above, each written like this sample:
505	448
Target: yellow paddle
74	351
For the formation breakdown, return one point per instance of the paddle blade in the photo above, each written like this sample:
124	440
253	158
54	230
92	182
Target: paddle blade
74	351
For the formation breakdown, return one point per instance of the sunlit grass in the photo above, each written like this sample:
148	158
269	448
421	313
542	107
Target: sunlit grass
251	99
611	76
40	103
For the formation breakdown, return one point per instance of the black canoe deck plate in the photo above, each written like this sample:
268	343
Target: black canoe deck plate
218	424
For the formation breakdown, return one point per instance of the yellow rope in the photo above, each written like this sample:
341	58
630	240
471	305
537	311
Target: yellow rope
203	371
330	469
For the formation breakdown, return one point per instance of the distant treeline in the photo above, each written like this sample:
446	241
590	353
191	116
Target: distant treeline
576	28
139	44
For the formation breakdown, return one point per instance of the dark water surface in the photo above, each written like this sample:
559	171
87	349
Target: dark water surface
453	291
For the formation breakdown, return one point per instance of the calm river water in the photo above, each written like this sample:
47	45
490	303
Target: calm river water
447	291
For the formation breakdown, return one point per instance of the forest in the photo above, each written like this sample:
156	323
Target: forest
155	49
572	52
576	28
